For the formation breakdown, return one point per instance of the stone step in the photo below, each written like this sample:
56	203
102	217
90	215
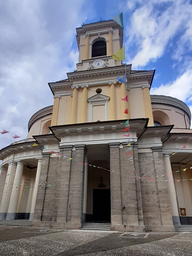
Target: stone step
96	226
15	222
183	228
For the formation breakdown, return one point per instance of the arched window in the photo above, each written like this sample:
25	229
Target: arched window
156	123
99	48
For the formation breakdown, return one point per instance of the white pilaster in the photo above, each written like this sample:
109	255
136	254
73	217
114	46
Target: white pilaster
7	190
34	195
11	214
172	193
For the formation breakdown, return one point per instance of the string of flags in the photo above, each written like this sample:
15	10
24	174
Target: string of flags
14	136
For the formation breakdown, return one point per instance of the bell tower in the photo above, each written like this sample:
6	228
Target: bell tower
97	42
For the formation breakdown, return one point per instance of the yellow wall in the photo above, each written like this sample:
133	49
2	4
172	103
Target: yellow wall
137	109
64	110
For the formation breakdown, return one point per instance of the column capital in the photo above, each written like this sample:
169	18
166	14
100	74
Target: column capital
110	82
19	163
114	144
66	147
166	155
110	31
87	35
80	146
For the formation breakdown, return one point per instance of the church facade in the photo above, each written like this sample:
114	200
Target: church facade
75	165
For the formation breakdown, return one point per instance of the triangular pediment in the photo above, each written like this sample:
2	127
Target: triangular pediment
98	97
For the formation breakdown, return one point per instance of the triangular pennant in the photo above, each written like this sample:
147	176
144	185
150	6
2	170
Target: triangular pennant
122	79
126	130
126	111
126	135
125	99
51	152
35	145
184	146
4	131
120	55
119	19
15	137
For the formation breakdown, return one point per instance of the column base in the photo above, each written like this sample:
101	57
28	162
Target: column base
176	220
3	215
31	216
160	228
128	228
10	216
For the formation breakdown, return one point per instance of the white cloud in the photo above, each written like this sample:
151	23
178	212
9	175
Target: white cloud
152	26
181	88
36	48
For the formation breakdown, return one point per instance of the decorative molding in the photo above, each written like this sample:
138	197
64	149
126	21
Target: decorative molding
98	36
58	95
98	97
77	86
98	100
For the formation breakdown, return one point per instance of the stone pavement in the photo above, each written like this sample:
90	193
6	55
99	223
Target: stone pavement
17	240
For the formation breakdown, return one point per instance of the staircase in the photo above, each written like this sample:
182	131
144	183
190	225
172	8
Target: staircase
96	226
183	228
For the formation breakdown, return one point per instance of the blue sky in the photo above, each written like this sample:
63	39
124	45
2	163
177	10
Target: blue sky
38	45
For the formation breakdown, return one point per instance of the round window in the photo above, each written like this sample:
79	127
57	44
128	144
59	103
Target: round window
98	90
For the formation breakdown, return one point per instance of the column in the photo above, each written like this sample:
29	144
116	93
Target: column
86	46
116	188
74	107
112	109
124	104
11	214
172	193
3	174
110	44
35	189
147	106
85	190
84	105
7	190
55	112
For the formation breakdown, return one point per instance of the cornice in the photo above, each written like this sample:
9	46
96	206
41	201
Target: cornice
95	73
16	148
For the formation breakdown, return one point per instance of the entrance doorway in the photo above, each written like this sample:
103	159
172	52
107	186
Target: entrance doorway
101	205
97	200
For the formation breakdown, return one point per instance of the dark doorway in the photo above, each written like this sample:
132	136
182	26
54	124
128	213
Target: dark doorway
101	205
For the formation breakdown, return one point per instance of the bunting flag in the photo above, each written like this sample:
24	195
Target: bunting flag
125	99
184	146
4	131
126	111
119	19
120	55
122	79
35	145
51	152
126	130
16	136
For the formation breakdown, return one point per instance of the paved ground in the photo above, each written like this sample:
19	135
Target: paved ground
16	240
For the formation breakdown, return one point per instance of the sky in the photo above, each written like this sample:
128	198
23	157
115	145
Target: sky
38	45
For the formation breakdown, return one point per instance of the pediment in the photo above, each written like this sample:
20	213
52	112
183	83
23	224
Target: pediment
98	97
